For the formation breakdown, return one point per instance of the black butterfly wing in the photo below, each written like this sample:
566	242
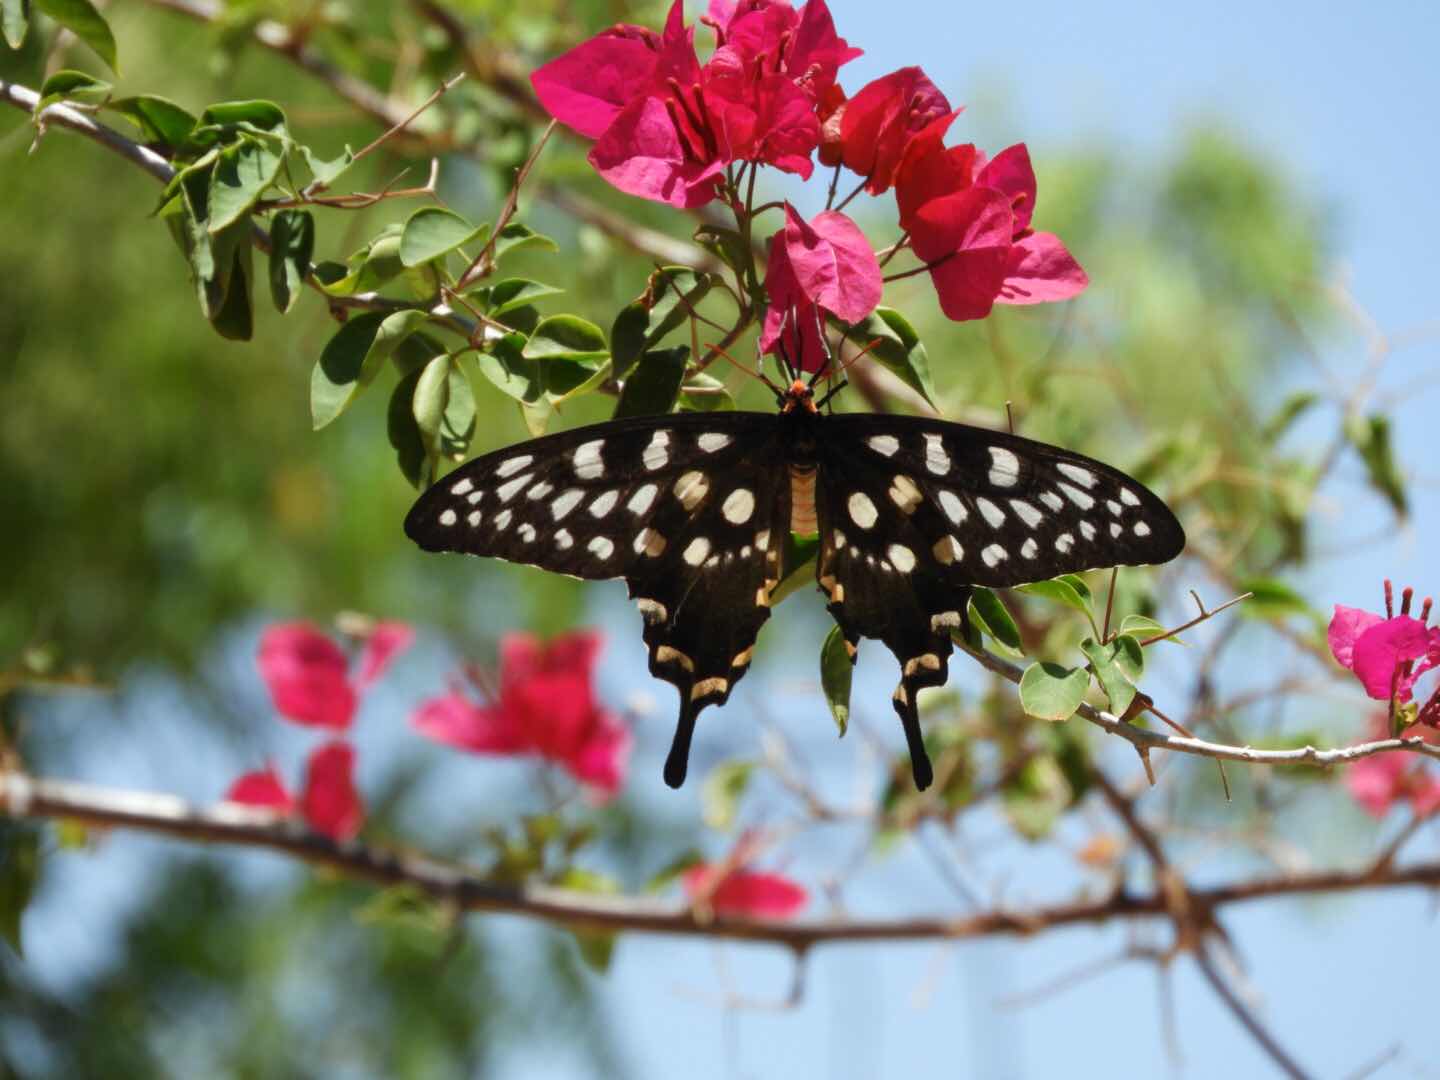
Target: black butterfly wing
914	512
689	509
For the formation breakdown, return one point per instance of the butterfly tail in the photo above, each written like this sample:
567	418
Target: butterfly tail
678	762
904	701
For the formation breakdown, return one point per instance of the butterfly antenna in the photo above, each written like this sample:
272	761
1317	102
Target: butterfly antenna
715	348
678	762
824	347
782	351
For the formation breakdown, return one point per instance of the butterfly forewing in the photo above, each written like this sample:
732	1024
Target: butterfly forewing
688	509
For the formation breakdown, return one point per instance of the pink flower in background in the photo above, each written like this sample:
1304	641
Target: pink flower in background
825	263
869	132
546	706
307	674
1387	655
1377	783
744	893
328	802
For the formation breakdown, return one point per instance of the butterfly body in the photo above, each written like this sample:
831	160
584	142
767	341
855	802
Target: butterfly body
692	509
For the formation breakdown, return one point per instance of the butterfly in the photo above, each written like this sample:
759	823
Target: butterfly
692	510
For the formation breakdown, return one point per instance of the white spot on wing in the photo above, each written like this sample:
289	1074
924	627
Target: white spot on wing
862	510
883	444
1004	467
474	497
604	503
738	506
948	550
474	518
462	487
1027	513
1128	497
1087	530
993	515
994	555
649	542
507	490
902	557
837	539
691	489
1113	507
601	547
1064	542
1053	501
539	491
656	454
904	494
1029	549
527	532
1078	473
512	466
1141	529
712	441
502	519
565	502
1078	497
587	461
641	500
1115	529
696	553
448	517
563	540
953	507
762	540
936	459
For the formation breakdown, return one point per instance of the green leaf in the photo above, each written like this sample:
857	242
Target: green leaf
66	85
406	906
517	237
1141	626
14	22
1052	692
1290	410
897	348
654	384
239	178
727	245
433	231
377	263
666	875
514	293
1062	590
1036	797
342	372
19	873
444	407
504	363
705	393
1273	599
159	119
230	299
256	116
404	432
1370	436
87	24
292	243
990	616
797	566
324	173
837	667
720	794
670	295
1117	667
567	337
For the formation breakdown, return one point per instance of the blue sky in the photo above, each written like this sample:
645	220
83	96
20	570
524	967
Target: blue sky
1342	99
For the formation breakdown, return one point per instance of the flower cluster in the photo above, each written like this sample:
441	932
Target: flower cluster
310	683
730	888
669	128
1389	655
546	706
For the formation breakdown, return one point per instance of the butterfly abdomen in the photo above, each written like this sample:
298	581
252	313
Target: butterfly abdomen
802	500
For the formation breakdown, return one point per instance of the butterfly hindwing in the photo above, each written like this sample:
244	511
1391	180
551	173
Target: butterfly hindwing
915	512
689	509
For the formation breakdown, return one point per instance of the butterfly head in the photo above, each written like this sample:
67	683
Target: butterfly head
800	396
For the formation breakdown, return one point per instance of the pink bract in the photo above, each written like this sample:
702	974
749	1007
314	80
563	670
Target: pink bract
1380	651
262	788
878	122
306	674
386	641
1346	625
330	803
745	893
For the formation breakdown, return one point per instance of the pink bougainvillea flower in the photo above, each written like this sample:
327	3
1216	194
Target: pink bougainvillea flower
744	893
587	87
307	674
1040	267
328	803
878	121
1382	654
262	787
772	36
546	707
1347	624
965	238
825	263
1377	783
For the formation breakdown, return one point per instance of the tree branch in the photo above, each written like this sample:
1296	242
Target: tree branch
469	890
